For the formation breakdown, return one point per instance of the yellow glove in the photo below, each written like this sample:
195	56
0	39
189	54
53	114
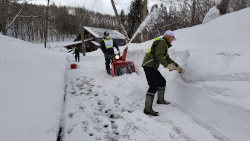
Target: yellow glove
179	69
171	67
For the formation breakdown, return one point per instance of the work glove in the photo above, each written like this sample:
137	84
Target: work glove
179	69
171	67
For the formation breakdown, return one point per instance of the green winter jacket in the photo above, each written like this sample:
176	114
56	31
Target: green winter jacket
158	54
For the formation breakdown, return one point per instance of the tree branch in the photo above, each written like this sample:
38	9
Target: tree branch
15	17
21	16
119	22
182	17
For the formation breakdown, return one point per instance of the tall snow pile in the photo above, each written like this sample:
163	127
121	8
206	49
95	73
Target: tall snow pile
31	91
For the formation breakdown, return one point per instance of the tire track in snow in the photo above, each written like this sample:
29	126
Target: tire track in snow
213	131
177	129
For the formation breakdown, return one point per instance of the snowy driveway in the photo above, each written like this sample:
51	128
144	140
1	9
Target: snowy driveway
99	107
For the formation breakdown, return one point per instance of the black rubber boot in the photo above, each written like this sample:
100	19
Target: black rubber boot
161	92
148	105
109	72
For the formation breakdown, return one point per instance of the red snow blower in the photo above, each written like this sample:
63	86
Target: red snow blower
120	66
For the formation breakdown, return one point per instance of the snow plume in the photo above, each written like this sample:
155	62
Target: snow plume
211	14
153	16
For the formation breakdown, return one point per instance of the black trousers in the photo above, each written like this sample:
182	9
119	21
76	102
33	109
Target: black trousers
77	56
107	63
155	79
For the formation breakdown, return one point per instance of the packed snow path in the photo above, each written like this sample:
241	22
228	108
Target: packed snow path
99	107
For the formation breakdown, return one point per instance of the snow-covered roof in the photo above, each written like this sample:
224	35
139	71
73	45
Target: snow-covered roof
94	42
72	43
77	42
98	32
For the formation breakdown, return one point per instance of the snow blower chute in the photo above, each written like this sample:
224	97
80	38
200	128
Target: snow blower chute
120	66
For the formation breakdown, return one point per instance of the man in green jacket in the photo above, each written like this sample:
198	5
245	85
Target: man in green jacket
158	54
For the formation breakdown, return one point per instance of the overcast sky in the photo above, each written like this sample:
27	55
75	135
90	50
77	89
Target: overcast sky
102	6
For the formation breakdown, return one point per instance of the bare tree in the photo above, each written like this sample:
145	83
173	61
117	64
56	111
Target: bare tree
5	8
236	5
193	12
145	9
7	13
119	22
46	24
144	15
17	15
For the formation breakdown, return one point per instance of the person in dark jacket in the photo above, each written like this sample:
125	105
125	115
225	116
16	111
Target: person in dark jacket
107	47
158	54
76	52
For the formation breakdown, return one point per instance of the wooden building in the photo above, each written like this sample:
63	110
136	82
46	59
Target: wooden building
93	37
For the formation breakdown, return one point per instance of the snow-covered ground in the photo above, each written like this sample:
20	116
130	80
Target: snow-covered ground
209	101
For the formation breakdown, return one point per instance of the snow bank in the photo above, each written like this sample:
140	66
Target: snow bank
31	91
215	84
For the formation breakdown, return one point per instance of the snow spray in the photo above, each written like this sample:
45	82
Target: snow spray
153	16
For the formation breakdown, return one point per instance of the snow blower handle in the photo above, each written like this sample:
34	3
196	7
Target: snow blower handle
124	53
126	48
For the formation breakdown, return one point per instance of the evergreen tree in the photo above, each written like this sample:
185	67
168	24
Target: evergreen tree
123	18
134	17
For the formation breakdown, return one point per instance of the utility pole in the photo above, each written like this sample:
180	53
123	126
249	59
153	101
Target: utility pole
82	32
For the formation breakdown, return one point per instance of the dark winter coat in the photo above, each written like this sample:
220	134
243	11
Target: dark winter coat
158	54
109	50
76	51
